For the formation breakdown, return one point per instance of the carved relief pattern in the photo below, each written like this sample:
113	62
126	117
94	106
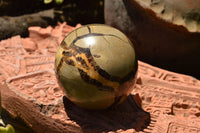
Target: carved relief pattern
10	52
37	63
177	128
158	73
12	46
9	67
175	125
168	101
40	86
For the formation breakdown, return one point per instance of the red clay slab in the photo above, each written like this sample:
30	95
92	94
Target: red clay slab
161	101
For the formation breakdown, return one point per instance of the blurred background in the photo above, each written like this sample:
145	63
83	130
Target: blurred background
25	13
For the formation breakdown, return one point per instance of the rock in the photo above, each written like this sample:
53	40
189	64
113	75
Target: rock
18	25
163	34
161	100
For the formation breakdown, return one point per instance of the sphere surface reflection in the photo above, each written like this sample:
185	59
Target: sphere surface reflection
96	66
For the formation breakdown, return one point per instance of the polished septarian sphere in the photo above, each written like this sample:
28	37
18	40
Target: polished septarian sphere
96	66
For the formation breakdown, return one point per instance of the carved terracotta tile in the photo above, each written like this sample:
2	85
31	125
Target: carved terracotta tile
161	101
38	63
38	86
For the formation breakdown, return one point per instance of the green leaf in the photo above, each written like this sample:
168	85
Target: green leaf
47	1
58	1
7	129
0	103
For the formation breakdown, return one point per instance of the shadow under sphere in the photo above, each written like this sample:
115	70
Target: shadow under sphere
127	115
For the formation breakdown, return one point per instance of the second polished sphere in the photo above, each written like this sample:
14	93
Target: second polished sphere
96	66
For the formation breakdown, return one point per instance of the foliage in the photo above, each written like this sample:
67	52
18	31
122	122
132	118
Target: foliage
7	129
56	1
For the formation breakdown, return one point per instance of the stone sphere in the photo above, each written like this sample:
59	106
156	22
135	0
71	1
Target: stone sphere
96	66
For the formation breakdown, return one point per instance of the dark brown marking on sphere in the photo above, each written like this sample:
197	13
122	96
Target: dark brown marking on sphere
84	61
89	29
101	72
107	76
93	63
78	50
63	45
67	53
87	52
90	59
97	56
93	35
69	62
131	75
105	88
87	79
